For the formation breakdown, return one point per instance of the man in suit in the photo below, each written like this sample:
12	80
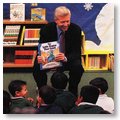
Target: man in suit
70	54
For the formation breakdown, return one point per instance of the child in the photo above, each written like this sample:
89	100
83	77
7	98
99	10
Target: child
104	101
88	97
6	102
18	90
65	99
47	96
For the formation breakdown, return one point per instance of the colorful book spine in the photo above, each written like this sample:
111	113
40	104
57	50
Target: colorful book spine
22	35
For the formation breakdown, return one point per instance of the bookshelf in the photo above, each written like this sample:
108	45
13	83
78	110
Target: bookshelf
9	51
98	60
94	60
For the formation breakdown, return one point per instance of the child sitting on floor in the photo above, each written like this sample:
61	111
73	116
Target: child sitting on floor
18	90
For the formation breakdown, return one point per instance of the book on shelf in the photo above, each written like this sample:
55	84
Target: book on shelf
11	34
38	14
103	61
111	64
48	52
31	37
25	56
22	36
17	12
83	43
83	61
94	62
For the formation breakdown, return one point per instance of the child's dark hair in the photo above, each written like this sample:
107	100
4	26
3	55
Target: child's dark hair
48	94
100	83
16	85
89	93
59	80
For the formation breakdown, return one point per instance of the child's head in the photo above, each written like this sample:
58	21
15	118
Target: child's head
59	80
47	94
18	88
100	83
89	93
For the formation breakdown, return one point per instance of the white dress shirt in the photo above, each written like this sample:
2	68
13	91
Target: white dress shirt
105	102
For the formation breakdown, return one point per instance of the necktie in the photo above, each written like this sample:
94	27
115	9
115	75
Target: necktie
62	42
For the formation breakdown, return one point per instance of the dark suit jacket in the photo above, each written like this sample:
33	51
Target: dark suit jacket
72	40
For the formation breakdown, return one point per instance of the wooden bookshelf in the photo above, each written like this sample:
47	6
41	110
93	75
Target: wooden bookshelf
29	22
13	65
96	60
9	50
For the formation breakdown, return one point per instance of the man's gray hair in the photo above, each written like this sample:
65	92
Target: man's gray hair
61	11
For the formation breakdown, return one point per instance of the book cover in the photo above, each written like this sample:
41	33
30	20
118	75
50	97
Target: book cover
38	14
48	52
17	12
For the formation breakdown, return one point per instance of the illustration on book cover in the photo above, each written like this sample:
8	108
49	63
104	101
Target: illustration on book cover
17	12
48	52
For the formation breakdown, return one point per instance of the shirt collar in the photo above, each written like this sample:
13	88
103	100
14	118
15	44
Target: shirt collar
58	31
16	97
85	103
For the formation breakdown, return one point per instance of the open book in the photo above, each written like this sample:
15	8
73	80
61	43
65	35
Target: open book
48	51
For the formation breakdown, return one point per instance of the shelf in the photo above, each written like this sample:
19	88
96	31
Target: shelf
17	46
96	69
7	21
97	52
13	65
95	61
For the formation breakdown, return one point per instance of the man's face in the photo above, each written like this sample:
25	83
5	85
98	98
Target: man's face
63	22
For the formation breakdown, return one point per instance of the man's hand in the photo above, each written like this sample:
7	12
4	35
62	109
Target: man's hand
40	59
60	57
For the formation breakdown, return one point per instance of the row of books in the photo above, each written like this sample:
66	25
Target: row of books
96	62
11	34
19	35
20	57
17	13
